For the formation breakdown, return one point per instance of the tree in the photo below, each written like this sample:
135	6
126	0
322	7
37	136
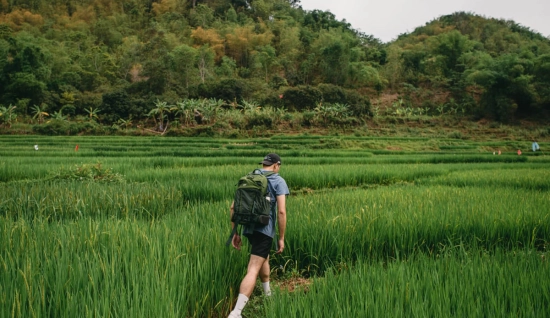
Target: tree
450	47
241	42
58	115
210	37
209	108
26	85
205	62
117	104
265	57
541	81
40	112
185	110
182	59
333	49
7	115
92	113
159	113
507	85
201	15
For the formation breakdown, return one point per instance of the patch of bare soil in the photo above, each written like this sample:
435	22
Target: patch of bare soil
295	283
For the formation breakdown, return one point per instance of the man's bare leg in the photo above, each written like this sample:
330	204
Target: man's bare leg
256	266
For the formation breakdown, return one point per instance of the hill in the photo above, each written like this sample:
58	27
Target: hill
73	58
483	66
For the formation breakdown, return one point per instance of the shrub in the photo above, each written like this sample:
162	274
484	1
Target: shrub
273	100
308	118
288	117
118	104
359	105
301	97
227	89
259	119
455	135
332	93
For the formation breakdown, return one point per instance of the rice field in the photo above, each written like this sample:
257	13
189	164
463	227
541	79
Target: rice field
136	226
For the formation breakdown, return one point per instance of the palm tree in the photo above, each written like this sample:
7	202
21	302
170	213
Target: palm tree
39	112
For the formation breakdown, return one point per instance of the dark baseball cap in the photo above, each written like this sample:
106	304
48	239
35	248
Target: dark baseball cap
271	159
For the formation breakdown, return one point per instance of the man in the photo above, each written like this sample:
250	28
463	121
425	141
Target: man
535	146
261	236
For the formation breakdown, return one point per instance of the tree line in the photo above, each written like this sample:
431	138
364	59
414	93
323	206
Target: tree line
71	57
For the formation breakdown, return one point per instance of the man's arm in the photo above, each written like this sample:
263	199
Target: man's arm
281	220
236	241
231	210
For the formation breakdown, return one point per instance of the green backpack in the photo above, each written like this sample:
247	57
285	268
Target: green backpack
252	201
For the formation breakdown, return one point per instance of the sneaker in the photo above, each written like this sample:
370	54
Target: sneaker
234	315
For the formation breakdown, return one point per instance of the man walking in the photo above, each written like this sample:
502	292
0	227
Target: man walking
261	236
535	146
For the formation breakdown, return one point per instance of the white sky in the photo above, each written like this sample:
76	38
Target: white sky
386	19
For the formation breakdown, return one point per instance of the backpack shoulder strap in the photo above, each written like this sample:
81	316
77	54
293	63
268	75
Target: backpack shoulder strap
266	173
233	232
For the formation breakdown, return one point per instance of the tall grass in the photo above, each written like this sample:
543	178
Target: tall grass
170	268
458	283
399	221
406	234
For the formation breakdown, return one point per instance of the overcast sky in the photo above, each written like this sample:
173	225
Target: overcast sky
386	19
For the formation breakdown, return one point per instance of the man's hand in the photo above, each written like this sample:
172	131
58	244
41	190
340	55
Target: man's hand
281	244
237	242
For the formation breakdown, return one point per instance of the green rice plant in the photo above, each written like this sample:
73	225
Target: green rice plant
394	222
534	179
124	268
457	283
412	233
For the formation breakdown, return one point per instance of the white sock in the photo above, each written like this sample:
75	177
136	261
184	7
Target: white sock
241	302
267	289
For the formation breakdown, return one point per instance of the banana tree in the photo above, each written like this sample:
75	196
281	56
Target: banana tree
340	110
58	115
92	113
210	109
160	113
250	107
322	112
7	115
125	122
184	109
39	113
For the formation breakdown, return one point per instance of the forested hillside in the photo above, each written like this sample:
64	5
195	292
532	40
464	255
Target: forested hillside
120	59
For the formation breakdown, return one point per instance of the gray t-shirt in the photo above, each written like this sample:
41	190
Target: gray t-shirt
277	186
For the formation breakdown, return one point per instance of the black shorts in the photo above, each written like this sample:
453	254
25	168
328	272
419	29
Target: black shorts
261	244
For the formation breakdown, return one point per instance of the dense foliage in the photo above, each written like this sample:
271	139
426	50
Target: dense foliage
116	60
485	67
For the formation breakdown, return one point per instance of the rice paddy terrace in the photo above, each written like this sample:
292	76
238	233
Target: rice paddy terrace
377	227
